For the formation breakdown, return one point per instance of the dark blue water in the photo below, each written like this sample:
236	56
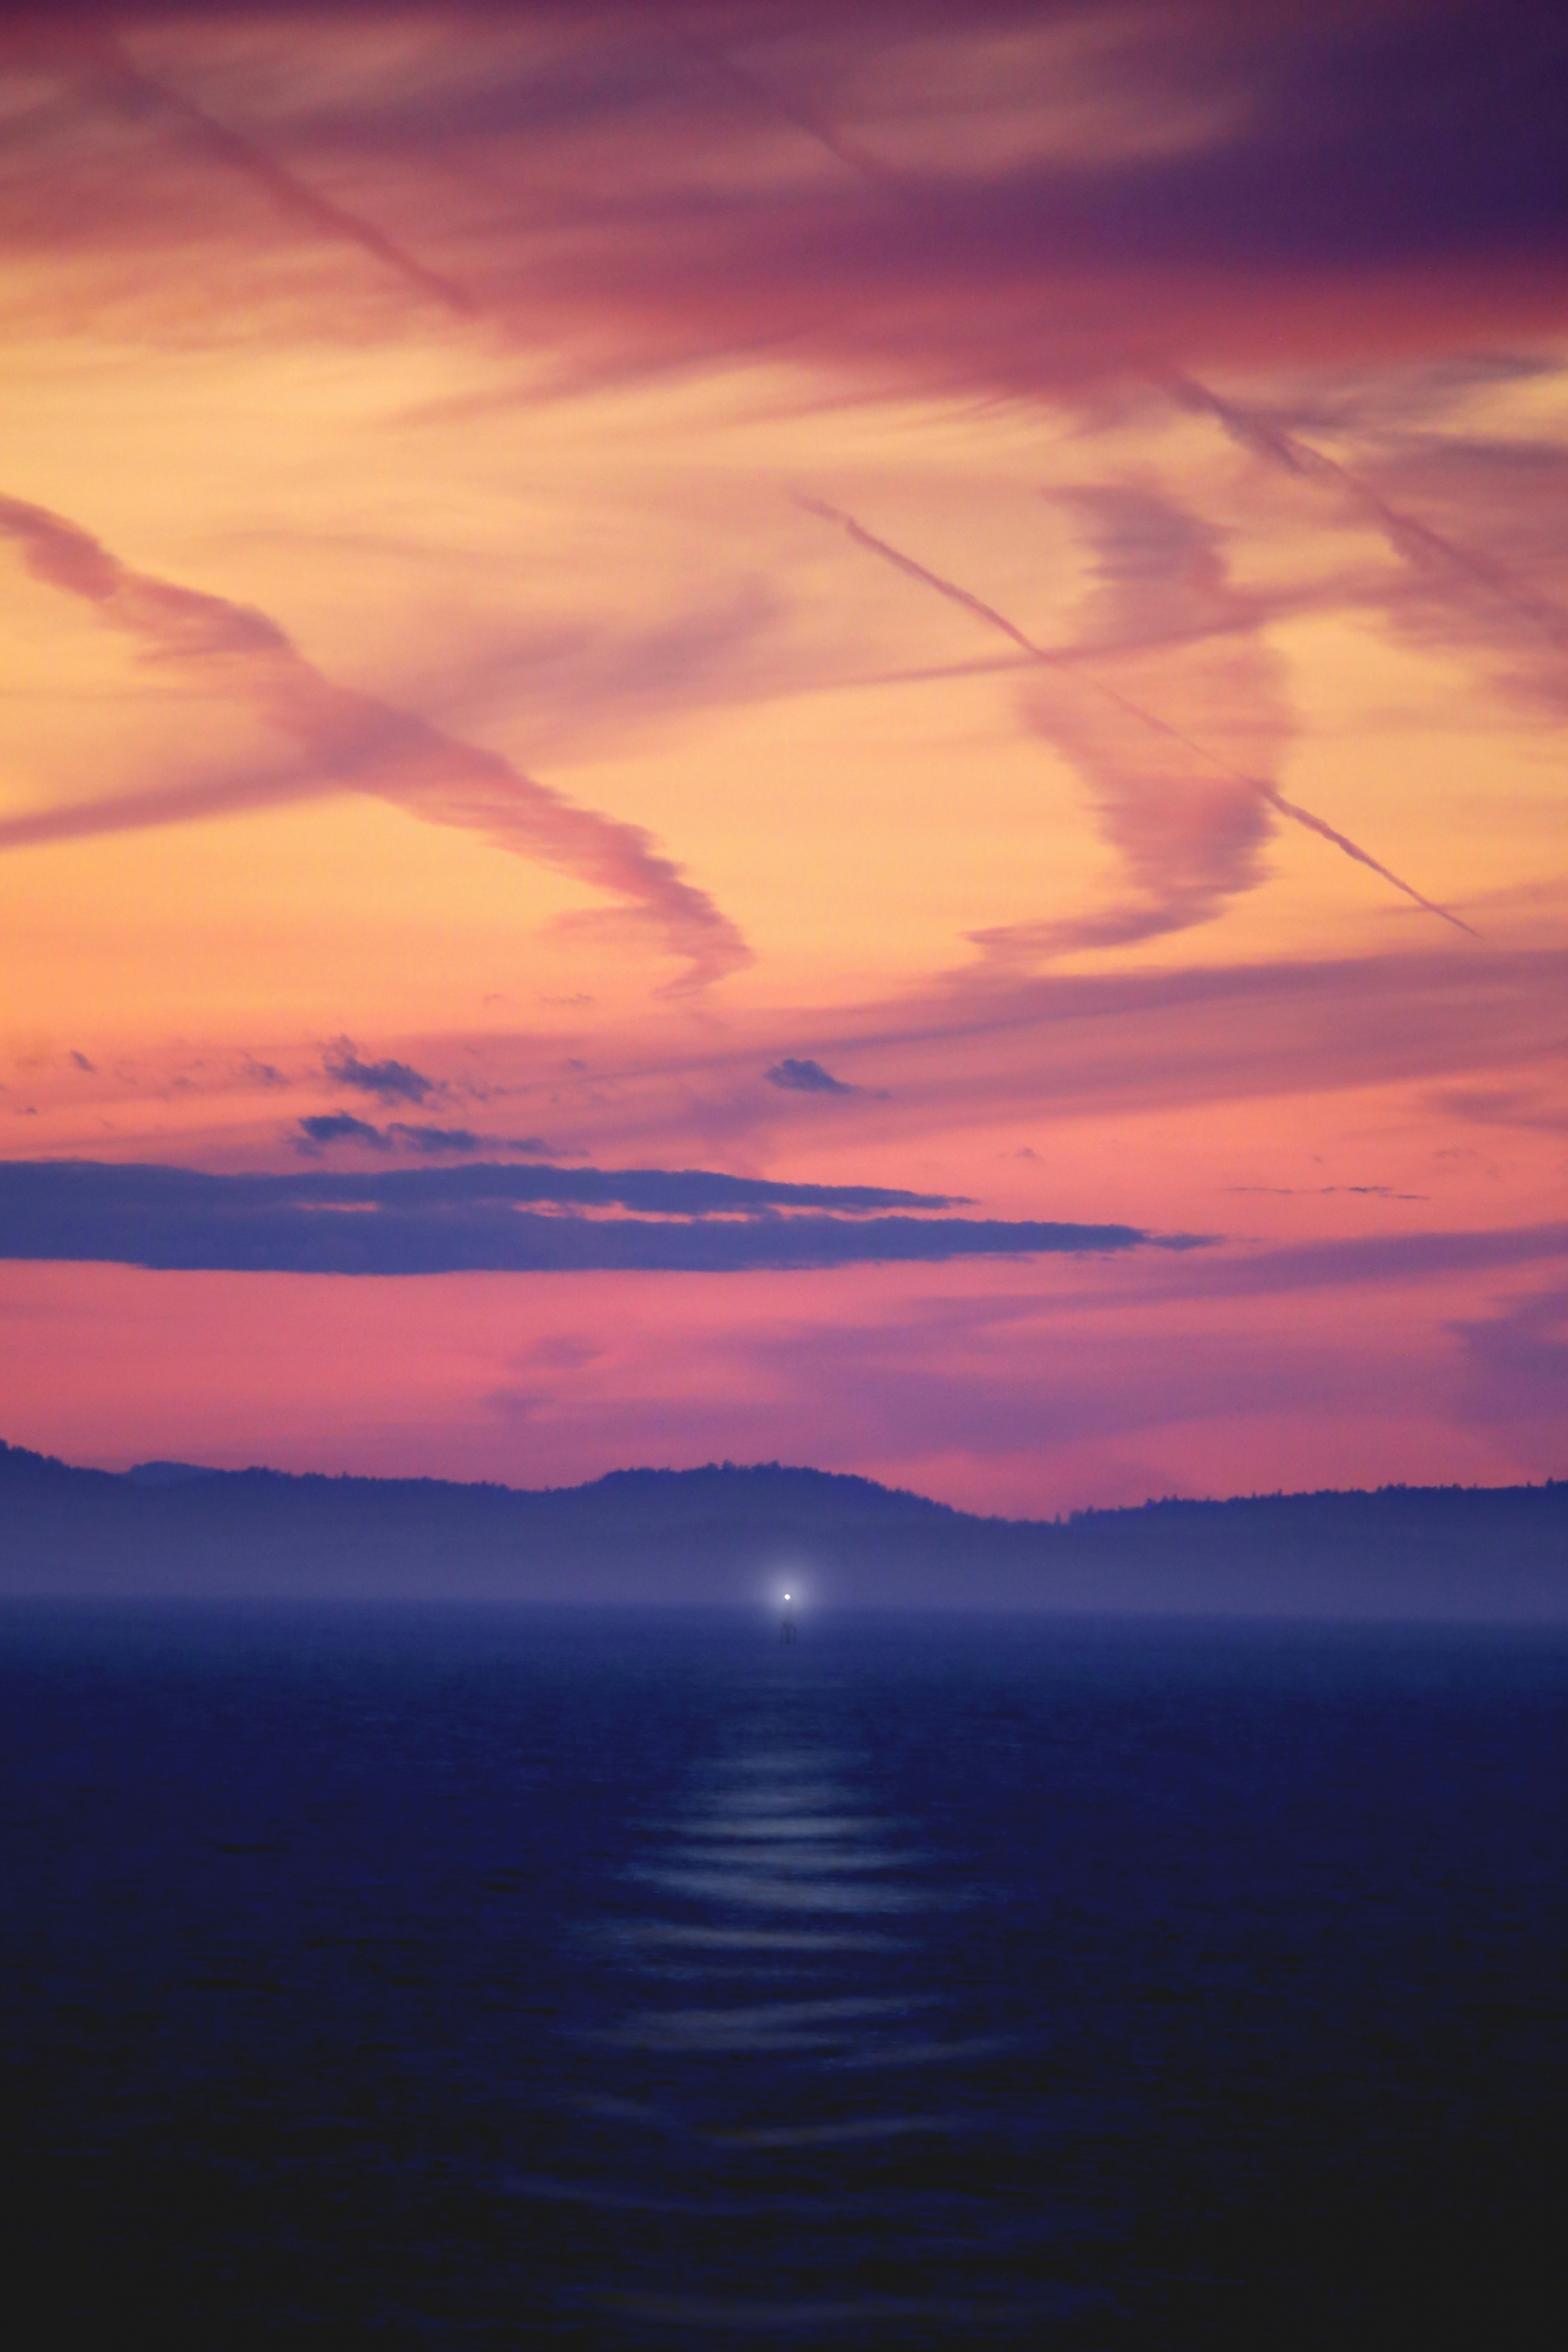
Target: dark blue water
470	1978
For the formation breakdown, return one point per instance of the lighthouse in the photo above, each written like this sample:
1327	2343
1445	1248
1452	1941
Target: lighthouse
786	1623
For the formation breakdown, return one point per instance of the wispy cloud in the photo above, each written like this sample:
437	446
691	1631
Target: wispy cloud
1428	550
1515	1371
1529	1108
1390	1257
986	1046
104	70
1189	842
1025	201
349	741
325	1128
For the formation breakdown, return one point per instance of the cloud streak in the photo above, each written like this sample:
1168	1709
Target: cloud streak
159	805
466	1220
1204	185
316	1133
660	1192
1228	866
1373	1258
352	742
105	71
1428	549
1516	1370
988	1045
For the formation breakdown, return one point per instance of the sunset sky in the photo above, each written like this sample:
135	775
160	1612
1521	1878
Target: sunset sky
962	607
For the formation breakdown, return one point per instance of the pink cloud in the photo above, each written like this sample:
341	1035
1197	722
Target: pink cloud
1265	188
351	741
1188	821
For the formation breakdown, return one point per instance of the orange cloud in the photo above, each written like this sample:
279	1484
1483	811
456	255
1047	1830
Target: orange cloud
350	741
1192	842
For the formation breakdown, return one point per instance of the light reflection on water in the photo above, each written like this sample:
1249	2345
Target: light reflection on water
757	2100
383	1982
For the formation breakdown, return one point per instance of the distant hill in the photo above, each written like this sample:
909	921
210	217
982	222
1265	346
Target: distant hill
731	1534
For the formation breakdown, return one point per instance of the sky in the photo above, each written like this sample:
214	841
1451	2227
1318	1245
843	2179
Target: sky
775	733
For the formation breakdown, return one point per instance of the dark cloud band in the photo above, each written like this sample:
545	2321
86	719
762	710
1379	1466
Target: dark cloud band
466	1220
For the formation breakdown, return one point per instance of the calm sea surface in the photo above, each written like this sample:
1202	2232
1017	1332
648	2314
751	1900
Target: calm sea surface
481	1978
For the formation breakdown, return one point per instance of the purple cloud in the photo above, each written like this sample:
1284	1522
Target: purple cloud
388	1081
350	739
471	1220
795	1076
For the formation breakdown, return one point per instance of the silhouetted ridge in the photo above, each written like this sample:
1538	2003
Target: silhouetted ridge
767	1482
168	1474
725	1531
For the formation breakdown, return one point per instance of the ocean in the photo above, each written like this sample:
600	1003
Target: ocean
472	1977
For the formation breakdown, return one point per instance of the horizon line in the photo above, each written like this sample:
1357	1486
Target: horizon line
188	1472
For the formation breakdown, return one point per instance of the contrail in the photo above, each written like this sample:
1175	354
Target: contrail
119	79
1410	537
352	742
768	101
1043	656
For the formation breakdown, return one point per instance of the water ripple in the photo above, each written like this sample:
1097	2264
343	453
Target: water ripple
753	1891
752	2096
766	2025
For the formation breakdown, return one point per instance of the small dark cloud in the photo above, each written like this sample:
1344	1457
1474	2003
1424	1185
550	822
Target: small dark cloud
338	1127
430	1142
82	1063
388	1081
433	1141
798	1076
259	1074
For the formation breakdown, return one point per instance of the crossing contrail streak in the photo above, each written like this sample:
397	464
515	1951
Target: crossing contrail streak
1410	537
1043	656
768	101
1414	538
119	79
